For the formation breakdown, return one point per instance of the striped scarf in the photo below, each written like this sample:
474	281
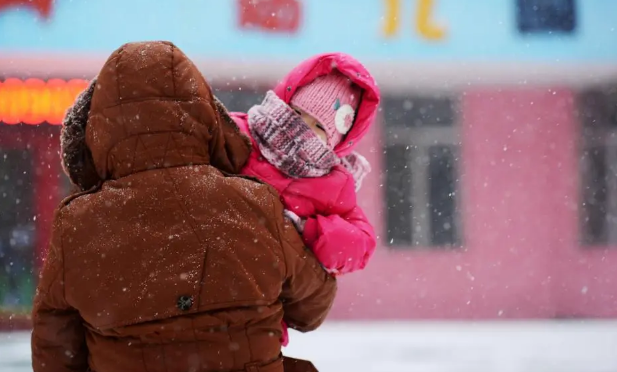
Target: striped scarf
292	147
287	142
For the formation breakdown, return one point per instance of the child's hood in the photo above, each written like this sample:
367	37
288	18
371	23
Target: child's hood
323	64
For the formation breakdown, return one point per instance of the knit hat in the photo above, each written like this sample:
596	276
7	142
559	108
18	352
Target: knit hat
332	100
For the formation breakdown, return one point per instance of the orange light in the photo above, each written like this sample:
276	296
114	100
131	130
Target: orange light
35	101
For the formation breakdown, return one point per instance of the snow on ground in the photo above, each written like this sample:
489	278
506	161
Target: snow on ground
548	346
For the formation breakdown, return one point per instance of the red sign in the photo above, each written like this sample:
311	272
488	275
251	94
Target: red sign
42	7
35	101
270	15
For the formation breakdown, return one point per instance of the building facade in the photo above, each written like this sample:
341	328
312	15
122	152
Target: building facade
493	190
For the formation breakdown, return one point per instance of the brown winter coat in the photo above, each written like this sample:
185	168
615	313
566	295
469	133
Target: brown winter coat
168	264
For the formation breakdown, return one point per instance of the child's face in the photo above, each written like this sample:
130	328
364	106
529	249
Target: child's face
315	125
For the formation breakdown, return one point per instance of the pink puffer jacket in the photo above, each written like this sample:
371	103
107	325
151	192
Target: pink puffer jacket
336	229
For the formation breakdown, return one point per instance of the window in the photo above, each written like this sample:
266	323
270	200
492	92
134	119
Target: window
17	233
240	99
421	155
598	115
546	16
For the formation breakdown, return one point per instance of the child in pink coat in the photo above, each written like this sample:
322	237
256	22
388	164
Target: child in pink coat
303	136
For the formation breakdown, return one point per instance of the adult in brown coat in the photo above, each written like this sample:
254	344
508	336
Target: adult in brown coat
166	262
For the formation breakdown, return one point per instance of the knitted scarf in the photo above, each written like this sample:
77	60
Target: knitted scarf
292	147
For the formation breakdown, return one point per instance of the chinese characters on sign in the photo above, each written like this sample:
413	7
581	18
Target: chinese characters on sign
281	16
425	25
532	16
42	7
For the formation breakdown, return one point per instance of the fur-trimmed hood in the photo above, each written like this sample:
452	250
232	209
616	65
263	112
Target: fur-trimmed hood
148	108
76	158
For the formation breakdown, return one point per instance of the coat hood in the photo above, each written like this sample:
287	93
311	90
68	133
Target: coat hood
148	108
323	64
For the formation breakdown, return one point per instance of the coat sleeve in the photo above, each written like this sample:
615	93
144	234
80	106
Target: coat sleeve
308	291
58	337
343	241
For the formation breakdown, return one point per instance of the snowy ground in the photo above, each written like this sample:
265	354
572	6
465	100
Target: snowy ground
589	346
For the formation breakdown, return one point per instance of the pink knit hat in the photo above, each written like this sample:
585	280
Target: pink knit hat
332	99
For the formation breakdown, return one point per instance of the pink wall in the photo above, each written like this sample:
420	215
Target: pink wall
519	203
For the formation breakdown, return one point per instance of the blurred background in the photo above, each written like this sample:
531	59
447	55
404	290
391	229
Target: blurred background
494	184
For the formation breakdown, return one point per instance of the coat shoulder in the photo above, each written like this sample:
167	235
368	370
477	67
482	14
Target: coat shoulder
69	199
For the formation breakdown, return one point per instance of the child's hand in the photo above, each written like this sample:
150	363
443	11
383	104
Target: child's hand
358	166
296	220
